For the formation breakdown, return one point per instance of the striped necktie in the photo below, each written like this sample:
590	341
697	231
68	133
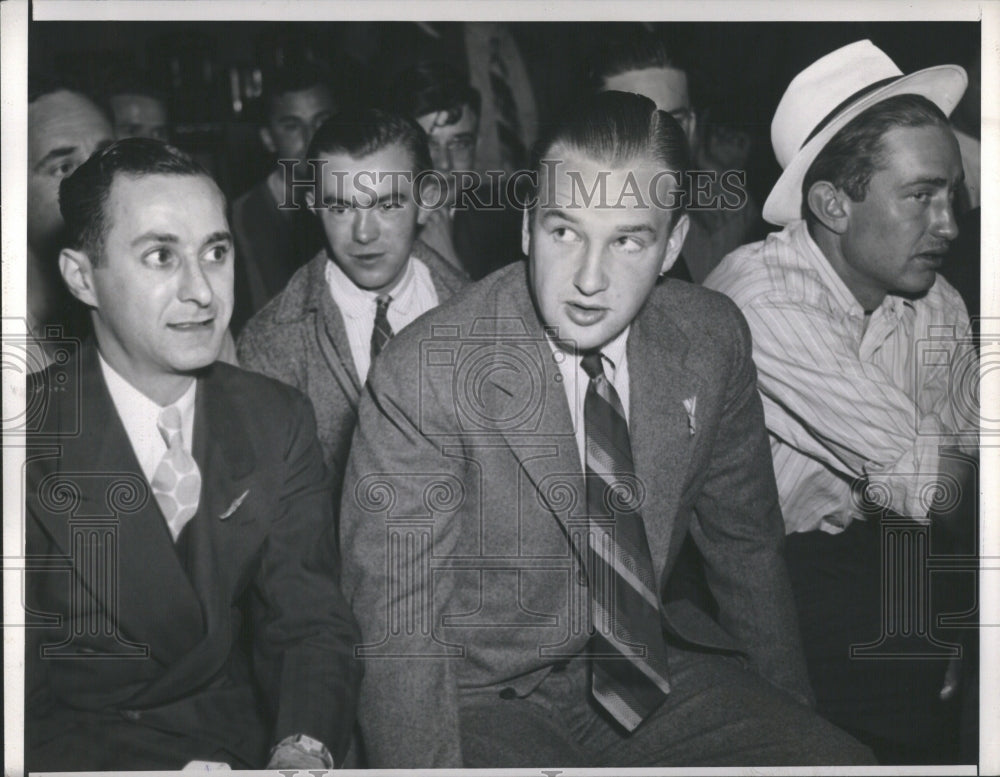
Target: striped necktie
177	481
628	655
381	332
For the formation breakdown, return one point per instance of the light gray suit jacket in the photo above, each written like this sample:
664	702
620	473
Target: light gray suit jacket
464	487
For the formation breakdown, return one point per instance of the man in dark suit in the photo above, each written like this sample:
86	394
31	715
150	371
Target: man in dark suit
321	333
529	458
185	601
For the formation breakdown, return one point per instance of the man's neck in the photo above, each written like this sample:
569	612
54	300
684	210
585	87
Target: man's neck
828	242
163	389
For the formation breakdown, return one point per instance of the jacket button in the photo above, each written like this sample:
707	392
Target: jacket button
508	693
131	714
581	577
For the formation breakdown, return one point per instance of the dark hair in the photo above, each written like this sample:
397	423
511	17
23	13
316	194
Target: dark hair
295	76
640	52
855	152
369	130
616	128
431	86
83	194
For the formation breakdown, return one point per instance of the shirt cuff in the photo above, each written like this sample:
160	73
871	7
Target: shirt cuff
909	485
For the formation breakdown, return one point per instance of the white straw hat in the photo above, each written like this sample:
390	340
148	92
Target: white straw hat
826	96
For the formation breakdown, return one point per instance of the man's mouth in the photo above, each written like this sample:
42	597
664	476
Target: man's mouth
199	325
368	257
585	315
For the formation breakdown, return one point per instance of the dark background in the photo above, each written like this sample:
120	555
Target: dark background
212	72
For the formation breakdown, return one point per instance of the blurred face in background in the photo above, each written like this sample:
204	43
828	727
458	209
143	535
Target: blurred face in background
139	116
293	120
64	129
451	138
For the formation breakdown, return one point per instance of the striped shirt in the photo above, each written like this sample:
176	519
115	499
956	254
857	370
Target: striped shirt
848	406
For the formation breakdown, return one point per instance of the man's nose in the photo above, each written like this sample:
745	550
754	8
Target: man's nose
365	228
945	224
194	284
590	277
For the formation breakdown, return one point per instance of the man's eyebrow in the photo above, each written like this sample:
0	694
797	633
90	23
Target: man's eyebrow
155	237
558	213
630	229
928	181
56	153
222	236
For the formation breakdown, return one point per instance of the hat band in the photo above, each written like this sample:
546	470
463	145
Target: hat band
853	98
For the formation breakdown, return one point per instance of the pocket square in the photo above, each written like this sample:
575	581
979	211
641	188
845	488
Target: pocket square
689	406
233	507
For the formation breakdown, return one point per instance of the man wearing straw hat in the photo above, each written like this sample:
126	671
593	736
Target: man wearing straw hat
863	355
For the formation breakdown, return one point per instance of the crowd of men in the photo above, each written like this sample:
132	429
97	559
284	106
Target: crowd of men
391	464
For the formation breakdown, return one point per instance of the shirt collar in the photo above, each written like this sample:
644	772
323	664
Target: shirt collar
613	352
356	302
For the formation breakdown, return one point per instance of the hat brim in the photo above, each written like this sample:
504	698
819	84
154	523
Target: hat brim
943	85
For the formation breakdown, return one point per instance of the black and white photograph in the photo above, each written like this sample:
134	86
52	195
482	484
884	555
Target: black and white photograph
538	388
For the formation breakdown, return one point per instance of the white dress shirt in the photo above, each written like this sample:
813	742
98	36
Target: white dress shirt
575	382
848	403
139	415
413	295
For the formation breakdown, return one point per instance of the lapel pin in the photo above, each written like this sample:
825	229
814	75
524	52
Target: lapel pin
233	507
689	406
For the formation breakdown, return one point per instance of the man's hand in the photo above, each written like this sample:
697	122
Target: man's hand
300	752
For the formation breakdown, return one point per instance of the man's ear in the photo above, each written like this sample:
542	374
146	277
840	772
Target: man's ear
675	242
525	231
428	193
830	206
78	273
267	140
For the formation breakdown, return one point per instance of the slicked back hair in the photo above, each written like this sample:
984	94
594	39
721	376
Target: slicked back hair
642	52
855	153
83	195
369	130
617	128
431	86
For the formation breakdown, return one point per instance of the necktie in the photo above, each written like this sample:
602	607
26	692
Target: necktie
381	331
177	481
628	655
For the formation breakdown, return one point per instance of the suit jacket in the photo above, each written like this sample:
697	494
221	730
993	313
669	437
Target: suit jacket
464	492
236	643
300	339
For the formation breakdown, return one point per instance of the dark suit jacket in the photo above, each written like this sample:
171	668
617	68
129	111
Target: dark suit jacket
464	484
299	339
223	649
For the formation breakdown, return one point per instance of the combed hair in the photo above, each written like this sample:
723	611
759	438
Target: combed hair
616	128
83	195
855	152
634	53
370	130
431	86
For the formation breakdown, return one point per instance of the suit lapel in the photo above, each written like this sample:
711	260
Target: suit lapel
529	396
660	427
157	605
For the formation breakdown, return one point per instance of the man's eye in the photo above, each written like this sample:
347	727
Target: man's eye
629	244
338	210
921	196
564	235
62	169
392	205
218	253
159	257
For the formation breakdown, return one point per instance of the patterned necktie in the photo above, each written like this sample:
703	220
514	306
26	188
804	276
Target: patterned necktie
177	481
628	655
381	331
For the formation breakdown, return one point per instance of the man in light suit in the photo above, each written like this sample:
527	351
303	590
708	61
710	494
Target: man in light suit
184	604
319	334
529	458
